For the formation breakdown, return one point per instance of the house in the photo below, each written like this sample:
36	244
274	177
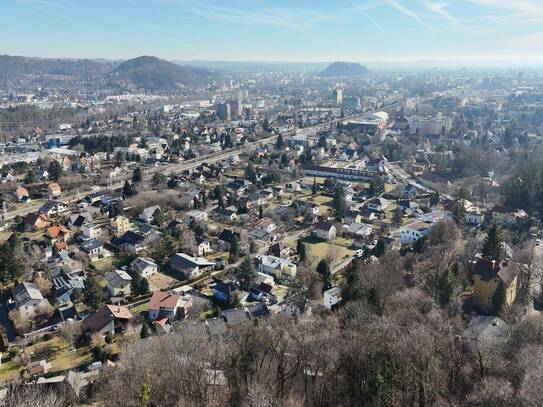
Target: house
91	231
92	248
168	305
134	242
325	230
360	230
266	224
118	283
474	217
77	220
503	216
222	291
196	216
57	234
145	266
309	208
53	190
203	246
190	266
230	212
36	221
488	275
120	225
28	298
414	231
280	249
409	192
148	214
352	216
278	191
377	204
109	319
276	266
38	368
64	284
52	208
331	297
22	195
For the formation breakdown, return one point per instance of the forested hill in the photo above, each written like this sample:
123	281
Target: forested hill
152	73
344	69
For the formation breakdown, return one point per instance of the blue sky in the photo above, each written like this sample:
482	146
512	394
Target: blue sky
275	30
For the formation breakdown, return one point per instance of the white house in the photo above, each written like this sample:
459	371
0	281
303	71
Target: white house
144	265
91	231
28	298
276	266
377	204
168	305
325	230
196	216
414	231
118	283
190	266
331	297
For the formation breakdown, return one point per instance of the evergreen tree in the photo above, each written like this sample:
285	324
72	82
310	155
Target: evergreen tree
377	186
246	273
493	245
351	289
250	172
434	198
234	249
314	188
128	190
300	249
144	333
54	170
280	143
323	268
137	175
398	217
260	212
30	177
379	248
92	292
339	202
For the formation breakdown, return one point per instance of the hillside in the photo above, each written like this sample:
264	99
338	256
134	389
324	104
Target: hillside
344	69
16	66
151	73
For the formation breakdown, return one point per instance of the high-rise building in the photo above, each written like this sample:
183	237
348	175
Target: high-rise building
223	110
337	95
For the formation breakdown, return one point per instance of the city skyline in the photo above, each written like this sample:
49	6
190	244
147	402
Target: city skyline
253	30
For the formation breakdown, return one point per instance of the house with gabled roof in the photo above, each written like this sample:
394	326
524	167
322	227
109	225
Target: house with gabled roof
109	319
190	266
168	305
118	283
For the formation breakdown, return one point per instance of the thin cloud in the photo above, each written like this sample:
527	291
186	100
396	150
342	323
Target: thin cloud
365	14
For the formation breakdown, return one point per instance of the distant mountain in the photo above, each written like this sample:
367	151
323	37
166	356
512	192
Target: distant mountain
258	66
151	73
344	69
16	67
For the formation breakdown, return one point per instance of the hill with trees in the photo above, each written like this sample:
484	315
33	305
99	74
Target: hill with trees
151	73
344	69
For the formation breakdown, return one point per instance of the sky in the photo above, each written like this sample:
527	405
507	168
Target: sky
275	30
